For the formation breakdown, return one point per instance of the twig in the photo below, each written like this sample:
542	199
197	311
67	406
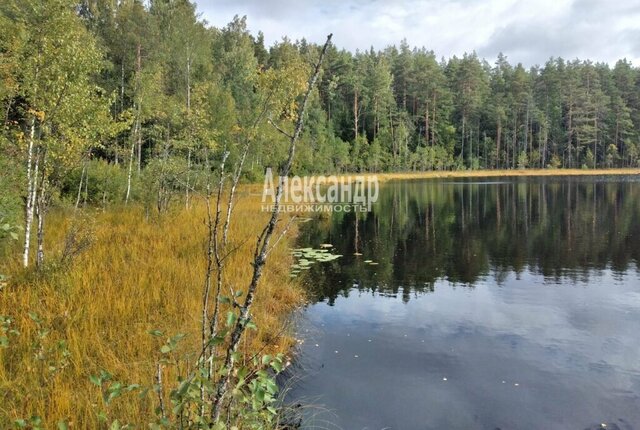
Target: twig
160	394
262	248
279	129
283	233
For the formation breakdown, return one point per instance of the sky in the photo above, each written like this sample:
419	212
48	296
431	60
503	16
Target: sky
526	31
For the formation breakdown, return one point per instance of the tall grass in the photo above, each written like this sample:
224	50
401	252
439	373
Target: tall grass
140	273
497	173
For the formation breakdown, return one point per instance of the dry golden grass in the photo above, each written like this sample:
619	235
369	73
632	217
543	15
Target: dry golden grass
138	275
495	173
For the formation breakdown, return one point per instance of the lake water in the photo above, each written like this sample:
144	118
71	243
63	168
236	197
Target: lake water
510	304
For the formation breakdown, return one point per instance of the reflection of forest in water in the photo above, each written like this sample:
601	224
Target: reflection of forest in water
422	231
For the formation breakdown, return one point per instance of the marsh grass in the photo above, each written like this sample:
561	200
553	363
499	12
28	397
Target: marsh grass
141	272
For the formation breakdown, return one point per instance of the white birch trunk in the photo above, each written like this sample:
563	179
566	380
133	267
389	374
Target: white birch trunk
84	169
31	194
186	203
131	155
41	213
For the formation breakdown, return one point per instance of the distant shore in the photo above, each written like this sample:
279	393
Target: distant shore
496	173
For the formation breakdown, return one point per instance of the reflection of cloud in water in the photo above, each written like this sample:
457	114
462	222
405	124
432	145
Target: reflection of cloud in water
562	362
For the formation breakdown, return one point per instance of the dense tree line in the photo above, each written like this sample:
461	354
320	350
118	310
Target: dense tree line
403	109
111	100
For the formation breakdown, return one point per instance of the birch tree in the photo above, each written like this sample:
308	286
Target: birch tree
58	59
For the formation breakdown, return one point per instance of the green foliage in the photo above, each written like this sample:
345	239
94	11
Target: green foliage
10	198
523	160
33	423
431	158
253	398
9	230
612	156
555	162
6	332
161	180
102	183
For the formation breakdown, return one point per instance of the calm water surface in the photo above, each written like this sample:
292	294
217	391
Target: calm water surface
511	304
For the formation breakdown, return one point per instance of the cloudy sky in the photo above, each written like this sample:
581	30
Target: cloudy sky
527	31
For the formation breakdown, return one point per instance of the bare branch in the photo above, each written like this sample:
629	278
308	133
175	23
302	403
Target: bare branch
216	246
279	129
233	249
159	388
282	233
262	248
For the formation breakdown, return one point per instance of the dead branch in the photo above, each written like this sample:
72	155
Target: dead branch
262	248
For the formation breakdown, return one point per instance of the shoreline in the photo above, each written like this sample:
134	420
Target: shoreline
383	177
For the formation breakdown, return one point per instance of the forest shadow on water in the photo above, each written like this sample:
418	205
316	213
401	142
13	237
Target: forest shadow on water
476	304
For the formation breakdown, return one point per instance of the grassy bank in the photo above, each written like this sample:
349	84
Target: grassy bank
139	274
502	173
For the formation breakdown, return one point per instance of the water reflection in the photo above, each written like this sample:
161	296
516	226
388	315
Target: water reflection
511	305
423	231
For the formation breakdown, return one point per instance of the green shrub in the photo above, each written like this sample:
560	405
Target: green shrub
11	201
162	179
103	183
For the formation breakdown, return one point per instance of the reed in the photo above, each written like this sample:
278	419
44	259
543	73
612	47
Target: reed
140	273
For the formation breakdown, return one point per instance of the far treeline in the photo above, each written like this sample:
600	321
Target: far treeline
102	99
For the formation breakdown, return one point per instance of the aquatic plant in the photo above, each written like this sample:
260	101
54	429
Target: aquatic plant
305	257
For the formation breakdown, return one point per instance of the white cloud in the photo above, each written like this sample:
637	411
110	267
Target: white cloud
526	31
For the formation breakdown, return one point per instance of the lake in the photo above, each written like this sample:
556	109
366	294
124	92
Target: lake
476	304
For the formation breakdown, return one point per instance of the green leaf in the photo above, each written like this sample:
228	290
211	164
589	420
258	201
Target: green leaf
62	425
116	386
216	340
271	386
143	393
231	318
165	349
178	337
266	359
156	333
96	380
112	396
243	372
277	365
184	387
260	394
